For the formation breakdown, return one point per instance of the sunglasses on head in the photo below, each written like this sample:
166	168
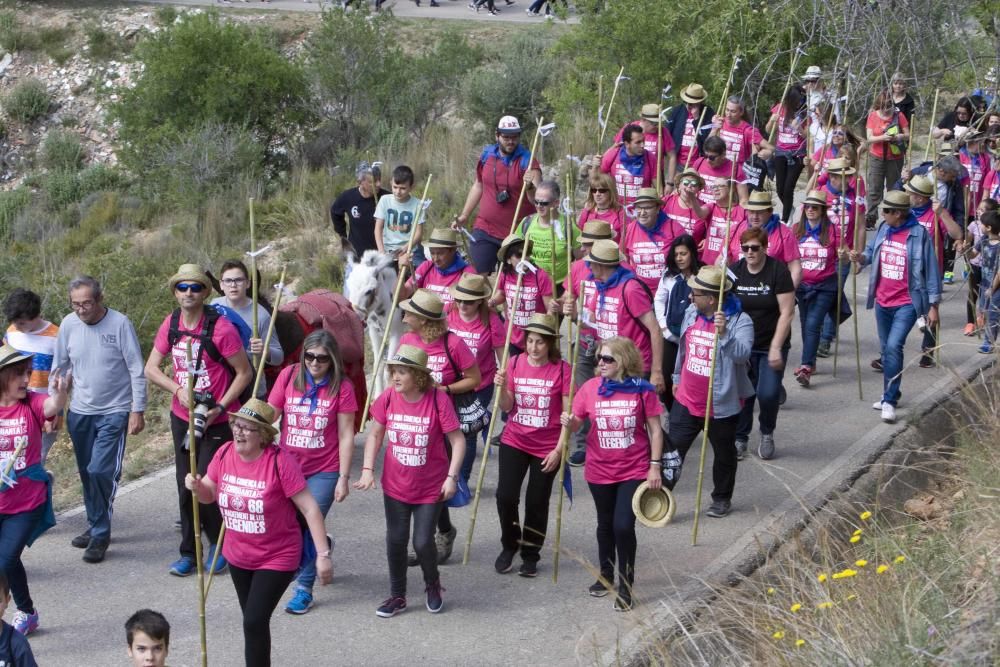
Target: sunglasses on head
194	288
751	247
320	358
595	191
606	358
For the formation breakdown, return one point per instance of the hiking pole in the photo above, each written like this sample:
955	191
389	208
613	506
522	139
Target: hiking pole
659	150
930	127
840	276
711	376
721	109
256	385
195	514
400	280
828	140
909	141
939	248
860	235
564	435
524	182
504	358
611	103
600	108
253	281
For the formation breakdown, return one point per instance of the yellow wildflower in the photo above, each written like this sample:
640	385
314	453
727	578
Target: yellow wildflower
865	515
821	578
845	573
855	539
795	607
778	634
861	562
800	643
882	569
857	532
900	559
852	596
770	590
824	605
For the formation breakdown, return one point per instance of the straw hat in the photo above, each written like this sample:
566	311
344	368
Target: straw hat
605	253
470	287
920	185
442	238
690	173
653	508
708	279
694	94
9	356
896	200
595	230
544	324
424	303
816	198
947	148
650	112
409	356
260	413
759	201
647	194
507	244
813	73
838	166
190	273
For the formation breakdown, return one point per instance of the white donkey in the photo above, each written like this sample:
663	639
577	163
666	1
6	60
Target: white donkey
369	288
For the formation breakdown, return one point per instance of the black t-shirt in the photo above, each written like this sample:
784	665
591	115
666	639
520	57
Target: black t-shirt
758	293
352	207
906	106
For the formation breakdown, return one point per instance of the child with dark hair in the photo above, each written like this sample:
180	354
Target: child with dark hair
975	232
15	651
988	250
395	215
147	635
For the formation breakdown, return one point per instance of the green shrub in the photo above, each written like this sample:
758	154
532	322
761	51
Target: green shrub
55	43
10	31
28	100
11	204
166	15
104	44
98	177
61	150
60	188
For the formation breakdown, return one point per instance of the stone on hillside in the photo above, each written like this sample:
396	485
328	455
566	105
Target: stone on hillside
5	63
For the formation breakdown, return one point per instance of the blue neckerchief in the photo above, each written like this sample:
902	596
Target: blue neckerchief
457	264
312	391
832	189
731	305
632	385
619	277
36	473
772	223
519	153
632	163
911	221
654	231
811	232
918	211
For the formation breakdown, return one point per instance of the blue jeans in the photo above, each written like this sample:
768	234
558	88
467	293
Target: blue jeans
894	326
486	398
99	445
813	304
767	382
321	486
993	318
14	532
483	251
829	328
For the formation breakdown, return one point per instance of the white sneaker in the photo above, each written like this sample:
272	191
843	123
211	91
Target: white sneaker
888	413
877	405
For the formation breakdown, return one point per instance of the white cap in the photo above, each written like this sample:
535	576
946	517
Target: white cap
813	72
509	125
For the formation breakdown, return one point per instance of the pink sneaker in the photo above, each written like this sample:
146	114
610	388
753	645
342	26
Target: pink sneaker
25	623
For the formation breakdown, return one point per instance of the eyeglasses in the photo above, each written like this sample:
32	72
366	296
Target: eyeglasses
80	305
542	202
317	358
606	358
596	191
232	282
646	208
751	248
238	427
689	182
194	288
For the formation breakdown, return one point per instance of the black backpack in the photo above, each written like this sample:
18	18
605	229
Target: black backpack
209	321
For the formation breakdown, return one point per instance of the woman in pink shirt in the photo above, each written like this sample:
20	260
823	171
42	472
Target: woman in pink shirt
258	488
602	203
419	472
740	136
685	205
317	405
534	392
790	119
647	238
537	290
624	449
24	506
714	167
724	212
819	240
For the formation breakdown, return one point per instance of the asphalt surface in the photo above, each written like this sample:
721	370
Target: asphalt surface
488	619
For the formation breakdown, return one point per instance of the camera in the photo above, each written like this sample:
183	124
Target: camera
503	196
203	402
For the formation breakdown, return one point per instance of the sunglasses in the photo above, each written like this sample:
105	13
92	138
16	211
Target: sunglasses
606	358
194	288
812	207
595	191
751	248
319	358
542	202
687	182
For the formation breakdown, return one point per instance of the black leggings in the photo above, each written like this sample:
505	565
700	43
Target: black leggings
975	278
397	537
787	169
208	514
259	592
669	361
514	465
616	529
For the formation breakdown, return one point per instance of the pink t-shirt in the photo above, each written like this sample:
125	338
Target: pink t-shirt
582	280
841	209
713	175
534	286
819	261
228	342
647	253
22	423
482	340
615	218
691	223
494	218
893	286
666	141
926	220
781	244
533	423
262	532
740	140
624	304
618	443
312	438
699	340
689	141
991	185
428	277
788	137
628	186
416	455
716	236
442	371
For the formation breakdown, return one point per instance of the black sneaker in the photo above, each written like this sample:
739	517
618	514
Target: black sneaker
877	364
927	361
95	551
578	458
391	607
823	351
528	569
599	588
434	601
81	541
623	601
719	508
504	562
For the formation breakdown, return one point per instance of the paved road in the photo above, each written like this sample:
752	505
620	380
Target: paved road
489	619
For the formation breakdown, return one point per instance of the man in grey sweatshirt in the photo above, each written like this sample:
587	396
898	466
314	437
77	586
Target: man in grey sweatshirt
100	347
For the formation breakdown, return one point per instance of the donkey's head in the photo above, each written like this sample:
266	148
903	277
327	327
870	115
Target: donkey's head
371	279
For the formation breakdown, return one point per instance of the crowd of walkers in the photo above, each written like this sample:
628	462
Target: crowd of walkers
680	277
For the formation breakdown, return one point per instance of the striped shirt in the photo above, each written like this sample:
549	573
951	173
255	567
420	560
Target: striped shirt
40	343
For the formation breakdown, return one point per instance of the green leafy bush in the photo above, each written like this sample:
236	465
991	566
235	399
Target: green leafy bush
28	100
61	150
12	203
104	44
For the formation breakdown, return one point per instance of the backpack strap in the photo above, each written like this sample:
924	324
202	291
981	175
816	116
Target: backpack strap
454	367
645	288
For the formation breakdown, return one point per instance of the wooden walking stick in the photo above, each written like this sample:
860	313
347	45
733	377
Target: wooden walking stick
256	386
600	107
721	109
828	140
524	182
195	514
659	150
400	281
840	278
859	242
504	358
607	116
564	437
939	248
930	127
711	373
909	140
788	84
253	280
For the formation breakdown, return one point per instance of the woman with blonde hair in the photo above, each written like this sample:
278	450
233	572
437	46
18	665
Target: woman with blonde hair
602	203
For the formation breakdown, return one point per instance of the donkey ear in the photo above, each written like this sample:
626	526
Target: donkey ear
350	257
